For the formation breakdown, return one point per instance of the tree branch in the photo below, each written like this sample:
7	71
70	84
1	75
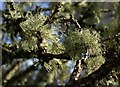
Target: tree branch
111	37
113	61
49	19
58	56
13	53
75	22
72	20
9	54
99	74
75	74
19	76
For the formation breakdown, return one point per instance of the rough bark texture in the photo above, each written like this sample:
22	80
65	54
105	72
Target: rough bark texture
112	61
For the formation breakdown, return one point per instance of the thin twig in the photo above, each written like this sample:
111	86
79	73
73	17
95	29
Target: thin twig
49	19
75	21
110	37
75	74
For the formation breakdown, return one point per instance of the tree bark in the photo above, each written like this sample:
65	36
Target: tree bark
112	61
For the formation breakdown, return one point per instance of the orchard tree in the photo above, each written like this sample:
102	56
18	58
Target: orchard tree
66	44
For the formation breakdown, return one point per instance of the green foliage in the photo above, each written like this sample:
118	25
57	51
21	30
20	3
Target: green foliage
78	42
29	27
66	38
94	63
50	40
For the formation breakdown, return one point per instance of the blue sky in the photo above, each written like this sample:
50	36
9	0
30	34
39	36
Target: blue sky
1	5
37	3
